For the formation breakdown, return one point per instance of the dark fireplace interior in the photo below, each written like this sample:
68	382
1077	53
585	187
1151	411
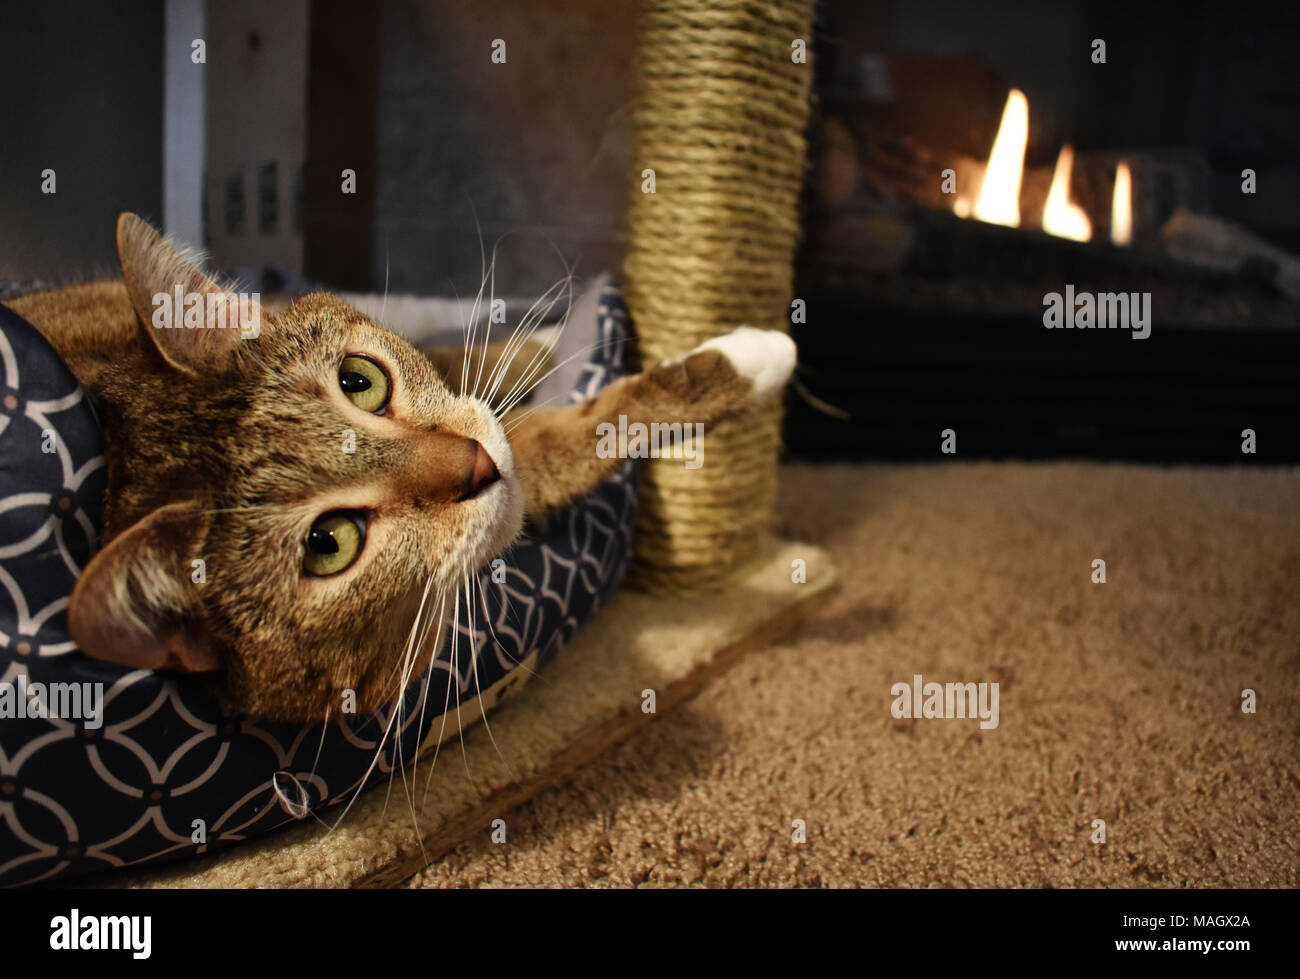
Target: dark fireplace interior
920	321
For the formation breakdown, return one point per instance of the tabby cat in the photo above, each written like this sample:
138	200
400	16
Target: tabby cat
320	563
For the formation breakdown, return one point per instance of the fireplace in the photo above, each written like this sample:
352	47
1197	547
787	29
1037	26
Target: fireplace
1014	250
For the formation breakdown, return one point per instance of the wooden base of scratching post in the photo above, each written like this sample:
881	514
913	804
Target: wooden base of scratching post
585	702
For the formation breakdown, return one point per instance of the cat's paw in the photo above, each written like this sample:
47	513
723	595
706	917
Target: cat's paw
765	357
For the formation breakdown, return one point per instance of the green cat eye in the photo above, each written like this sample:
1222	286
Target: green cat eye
334	542
365	383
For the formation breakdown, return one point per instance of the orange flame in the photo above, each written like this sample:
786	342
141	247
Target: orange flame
1061	216
1121	207
999	196
998	201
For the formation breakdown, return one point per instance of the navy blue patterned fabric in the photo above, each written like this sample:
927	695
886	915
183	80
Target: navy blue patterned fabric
135	784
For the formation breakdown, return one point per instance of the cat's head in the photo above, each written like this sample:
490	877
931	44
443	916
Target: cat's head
284	492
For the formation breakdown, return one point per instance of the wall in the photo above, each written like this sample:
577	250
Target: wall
536	148
82	84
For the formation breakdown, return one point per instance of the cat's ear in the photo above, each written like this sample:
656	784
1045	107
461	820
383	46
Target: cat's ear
136	603
194	322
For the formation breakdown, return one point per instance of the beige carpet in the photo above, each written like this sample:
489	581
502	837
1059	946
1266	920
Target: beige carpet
1118	701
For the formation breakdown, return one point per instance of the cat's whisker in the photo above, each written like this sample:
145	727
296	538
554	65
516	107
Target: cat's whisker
488	279
487	325
515	395
521	415
473	313
388	728
567	279
471	330
520	336
324	726
408	788
383	306
517	419
408	664
481	706
454	678
402	664
446	702
524	332
429	674
412	644
514	398
250	508
526	383
361	782
538	314
514	346
430	630
473	657
540	357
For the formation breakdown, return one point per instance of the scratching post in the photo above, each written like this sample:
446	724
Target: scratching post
722	104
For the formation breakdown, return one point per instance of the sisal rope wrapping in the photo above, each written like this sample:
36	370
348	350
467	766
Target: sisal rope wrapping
720	118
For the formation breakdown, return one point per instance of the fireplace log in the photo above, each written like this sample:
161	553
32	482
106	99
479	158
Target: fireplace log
1213	243
905	172
931	261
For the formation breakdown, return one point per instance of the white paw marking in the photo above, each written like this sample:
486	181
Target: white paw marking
766	357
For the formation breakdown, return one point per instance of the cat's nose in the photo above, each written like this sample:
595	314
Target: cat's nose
485	471
442	467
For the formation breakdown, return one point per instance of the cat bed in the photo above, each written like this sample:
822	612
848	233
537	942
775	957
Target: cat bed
156	770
